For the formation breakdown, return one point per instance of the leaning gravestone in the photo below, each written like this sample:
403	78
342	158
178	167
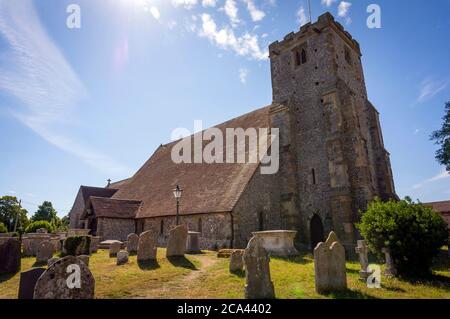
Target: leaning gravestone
147	246
257	271
28	281
361	250
77	245
9	256
237	261
176	246
122	257
132	243
114	249
390	270
68	278
329	265
44	252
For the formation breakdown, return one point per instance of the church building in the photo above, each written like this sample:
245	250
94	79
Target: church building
332	160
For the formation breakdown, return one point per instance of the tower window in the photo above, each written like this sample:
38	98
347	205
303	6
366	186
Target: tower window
298	59
260	221
161	227
313	176
200	225
348	56
303	56
300	56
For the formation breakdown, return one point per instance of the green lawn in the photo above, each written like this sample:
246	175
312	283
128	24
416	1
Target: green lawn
206	276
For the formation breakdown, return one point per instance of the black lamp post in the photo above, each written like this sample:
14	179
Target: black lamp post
177	193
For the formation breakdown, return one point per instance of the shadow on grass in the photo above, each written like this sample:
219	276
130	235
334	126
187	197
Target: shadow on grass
240	273
301	260
181	261
6	277
435	281
349	294
148	265
394	289
39	264
196	253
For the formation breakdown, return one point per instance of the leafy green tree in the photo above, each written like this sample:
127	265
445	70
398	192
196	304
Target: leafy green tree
33	226
10	210
45	212
413	233
442	138
3	228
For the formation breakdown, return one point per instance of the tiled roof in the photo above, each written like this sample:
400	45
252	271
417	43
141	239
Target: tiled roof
207	188
113	208
440	207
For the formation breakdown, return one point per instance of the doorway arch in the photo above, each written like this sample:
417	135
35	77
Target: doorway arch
316	231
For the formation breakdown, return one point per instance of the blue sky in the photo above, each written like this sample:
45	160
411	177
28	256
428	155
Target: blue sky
79	106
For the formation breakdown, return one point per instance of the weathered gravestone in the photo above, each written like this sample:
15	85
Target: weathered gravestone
361	250
132	243
176	246
329	265
122	257
85	259
9	256
44	252
237	261
390	269
51	261
95	242
77	245
147	246
114	248
67	278
28	281
257	271
193	243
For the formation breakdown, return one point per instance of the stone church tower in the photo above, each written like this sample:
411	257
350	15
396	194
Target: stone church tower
332	156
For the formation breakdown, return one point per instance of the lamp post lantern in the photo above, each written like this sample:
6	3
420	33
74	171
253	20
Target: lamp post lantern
177	193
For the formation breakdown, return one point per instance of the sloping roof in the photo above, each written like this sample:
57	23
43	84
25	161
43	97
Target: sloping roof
207	188
440	207
119	184
113	208
89	191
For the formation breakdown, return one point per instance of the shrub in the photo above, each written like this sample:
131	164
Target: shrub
413	233
3	228
32	227
77	245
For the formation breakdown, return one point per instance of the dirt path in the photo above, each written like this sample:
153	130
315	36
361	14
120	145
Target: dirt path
179	287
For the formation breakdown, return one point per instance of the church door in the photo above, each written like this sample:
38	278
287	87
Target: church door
316	231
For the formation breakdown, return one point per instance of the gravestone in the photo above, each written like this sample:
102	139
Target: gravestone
95	242
147	246
122	257
361	250
114	249
85	259
132	243
389	270
51	261
67	278
77	245
329	265
28	281
176	246
9	256
193	243
257	271
42	231
237	261
44	252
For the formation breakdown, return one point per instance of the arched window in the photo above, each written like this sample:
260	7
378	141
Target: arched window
260	221
298	58
303	56
313	176
200	225
161	227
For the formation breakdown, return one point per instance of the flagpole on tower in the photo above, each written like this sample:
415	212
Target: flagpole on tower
309	10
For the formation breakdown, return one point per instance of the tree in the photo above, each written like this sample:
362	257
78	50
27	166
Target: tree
9	211
45	212
3	228
413	233
34	226
442	138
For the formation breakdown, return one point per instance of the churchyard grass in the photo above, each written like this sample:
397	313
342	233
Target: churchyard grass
206	276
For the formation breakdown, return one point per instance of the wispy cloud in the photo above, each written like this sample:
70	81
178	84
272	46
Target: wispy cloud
243	73
225	38
36	73
442	175
155	12
231	10
429	88
344	8
328	3
209	3
187	4
301	16
255	13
